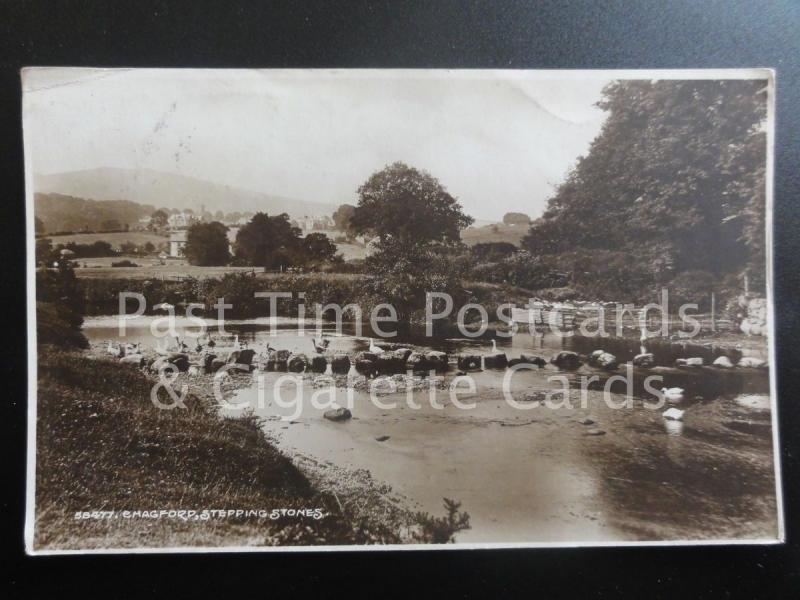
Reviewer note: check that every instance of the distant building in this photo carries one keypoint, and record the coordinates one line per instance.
(232, 231)
(180, 220)
(177, 242)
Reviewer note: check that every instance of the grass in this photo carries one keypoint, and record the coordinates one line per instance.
(498, 232)
(103, 446)
(116, 238)
(151, 268)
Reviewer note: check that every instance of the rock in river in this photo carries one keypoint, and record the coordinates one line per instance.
(469, 362)
(566, 360)
(338, 414)
(689, 362)
(752, 363)
(298, 363)
(319, 364)
(603, 360)
(495, 361)
(417, 362)
(645, 359)
(366, 367)
(437, 360)
(340, 365)
(723, 362)
(532, 359)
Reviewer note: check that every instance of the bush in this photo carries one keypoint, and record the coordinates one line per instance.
(59, 326)
(442, 530)
(124, 263)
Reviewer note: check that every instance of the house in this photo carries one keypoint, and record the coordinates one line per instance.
(179, 220)
(177, 242)
(178, 237)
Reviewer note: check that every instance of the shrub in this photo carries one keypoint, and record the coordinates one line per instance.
(442, 530)
(59, 326)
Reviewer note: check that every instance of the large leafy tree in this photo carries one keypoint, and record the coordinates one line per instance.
(159, 219)
(418, 228)
(207, 244)
(270, 242)
(317, 247)
(342, 219)
(674, 180)
(409, 207)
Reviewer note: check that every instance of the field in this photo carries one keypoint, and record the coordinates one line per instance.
(173, 270)
(116, 239)
(351, 251)
(497, 232)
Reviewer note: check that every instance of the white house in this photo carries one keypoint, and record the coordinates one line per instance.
(182, 219)
(177, 241)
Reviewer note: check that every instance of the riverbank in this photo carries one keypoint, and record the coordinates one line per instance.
(114, 471)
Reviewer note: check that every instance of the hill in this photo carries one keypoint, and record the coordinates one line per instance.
(169, 190)
(59, 212)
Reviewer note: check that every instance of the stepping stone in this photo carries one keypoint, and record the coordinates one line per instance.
(586, 421)
(595, 432)
(381, 438)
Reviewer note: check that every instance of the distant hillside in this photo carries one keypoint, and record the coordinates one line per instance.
(171, 191)
(496, 232)
(68, 213)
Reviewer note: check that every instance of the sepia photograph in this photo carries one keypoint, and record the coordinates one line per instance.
(337, 309)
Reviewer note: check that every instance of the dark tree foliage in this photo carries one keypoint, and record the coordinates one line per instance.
(159, 219)
(93, 250)
(207, 244)
(318, 248)
(674, 182)
(44, 251)
(408, 206)
(342, 218)
(270, 242)
(492, 251)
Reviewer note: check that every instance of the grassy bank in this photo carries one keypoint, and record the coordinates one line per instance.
(103, 446)
(101, 296)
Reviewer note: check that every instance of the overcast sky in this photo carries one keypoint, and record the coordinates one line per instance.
(498, 141)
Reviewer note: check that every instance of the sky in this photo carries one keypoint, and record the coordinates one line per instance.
(499, 141)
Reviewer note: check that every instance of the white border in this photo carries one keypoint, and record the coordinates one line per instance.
(704, 74)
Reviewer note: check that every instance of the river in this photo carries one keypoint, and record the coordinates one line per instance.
(538, 474)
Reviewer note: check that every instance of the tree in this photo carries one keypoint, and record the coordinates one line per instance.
(516, 218)
(38, 225)
(159, 219)
(317, 247)
(44, 251)
(269, 242)
(207, 244)
(128, 248)
(674, 181)
(110, 225)
(342, 218)
(492, 251)
(408, 206)
(402, 275)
